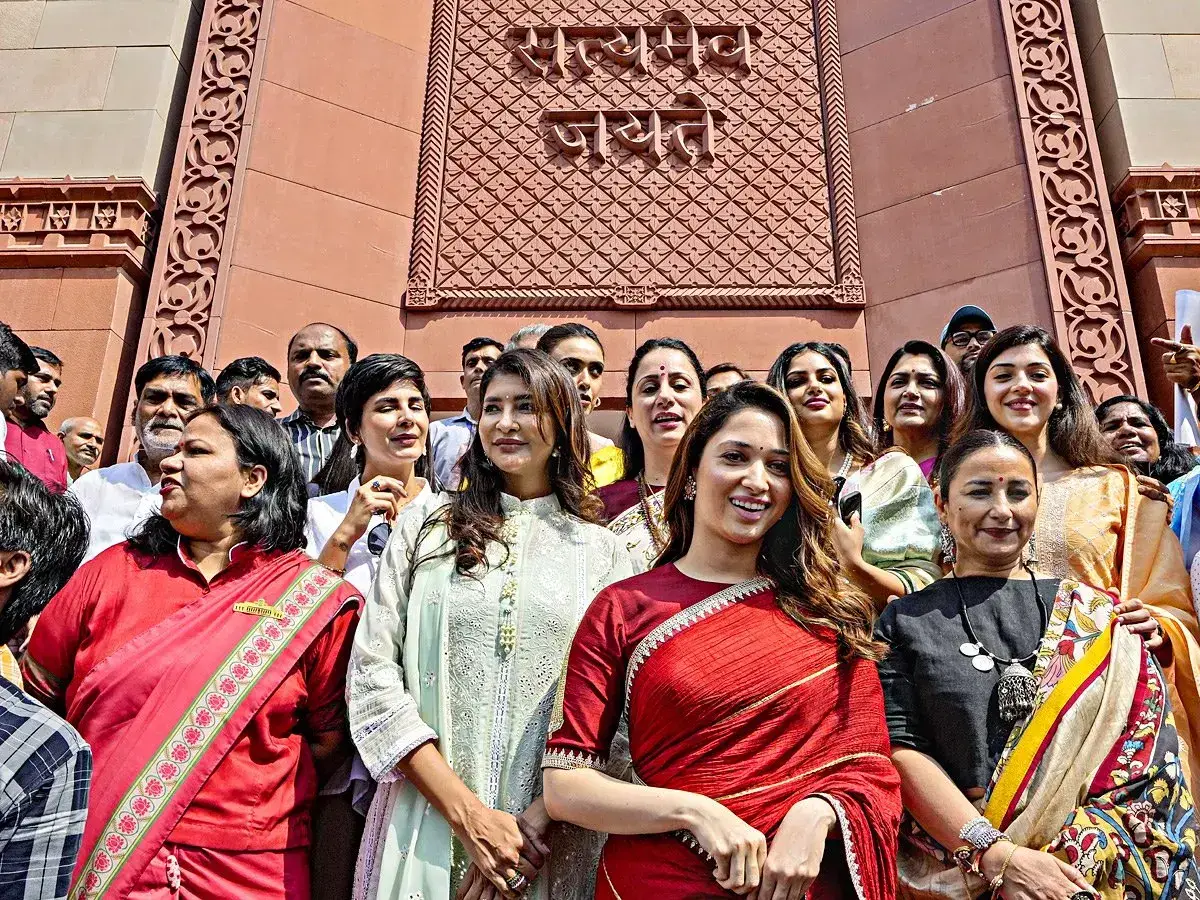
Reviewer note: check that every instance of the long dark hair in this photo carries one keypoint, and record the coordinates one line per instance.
(797, 553)
(1174, 459)
(971, 443)
(631, 441)
(954, 394)
(273, 519)
(854, 434)
(362, 381)
(1073, 432)
(474, 517)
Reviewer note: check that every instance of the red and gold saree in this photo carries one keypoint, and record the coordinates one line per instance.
(728, 697)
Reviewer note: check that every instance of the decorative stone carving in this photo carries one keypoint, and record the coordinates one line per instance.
(554, 171)
(1158, 214)
(1079, 245)
(189, 281)
(71, 222)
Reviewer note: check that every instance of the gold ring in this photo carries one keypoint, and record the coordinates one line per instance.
(517, 882)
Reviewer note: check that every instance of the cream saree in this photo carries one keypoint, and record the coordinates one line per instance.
(1092, 775)
(1094, 527)
(637, 535)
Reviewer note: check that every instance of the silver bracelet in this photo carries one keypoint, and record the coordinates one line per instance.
(980, 833)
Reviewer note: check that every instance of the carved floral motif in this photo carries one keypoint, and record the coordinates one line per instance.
(1087, 285)
(95, 222)
(505, 219)
(185, 286)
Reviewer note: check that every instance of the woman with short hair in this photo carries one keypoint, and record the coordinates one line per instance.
(664, 389)
(382, 409)
(745, 667)
(886, 528)
(460, 650)
(204, 661)
(1035, 700)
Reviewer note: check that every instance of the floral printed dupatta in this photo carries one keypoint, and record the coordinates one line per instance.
(1093, 775)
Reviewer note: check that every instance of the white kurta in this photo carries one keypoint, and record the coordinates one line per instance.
(472, 662)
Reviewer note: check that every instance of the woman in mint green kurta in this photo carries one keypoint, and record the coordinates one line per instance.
(459, 651)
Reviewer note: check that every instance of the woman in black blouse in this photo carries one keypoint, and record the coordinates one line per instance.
(1035, 701)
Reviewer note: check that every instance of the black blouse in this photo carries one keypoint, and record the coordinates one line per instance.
(936, 701)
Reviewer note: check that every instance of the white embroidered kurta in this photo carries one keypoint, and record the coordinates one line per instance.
(472, 663)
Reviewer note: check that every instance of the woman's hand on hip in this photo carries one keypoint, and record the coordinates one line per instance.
(794, 858)
(739, 850)
(380, 496)
(1033, 875)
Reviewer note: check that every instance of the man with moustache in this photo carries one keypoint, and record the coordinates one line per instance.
(449, 438)
(17, 363)
(119, 498)
(318, 357)
(965, 334)
(250, 381)
(83, 439)
(29, 441)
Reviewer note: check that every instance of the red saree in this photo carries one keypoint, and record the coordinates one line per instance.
(728, 697)
(165, 707)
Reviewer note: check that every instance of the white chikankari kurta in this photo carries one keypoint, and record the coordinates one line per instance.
(473, 663)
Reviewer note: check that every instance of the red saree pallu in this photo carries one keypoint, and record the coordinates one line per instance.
(731, 699)
(162, 711)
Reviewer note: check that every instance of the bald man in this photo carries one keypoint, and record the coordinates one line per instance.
(83, 437)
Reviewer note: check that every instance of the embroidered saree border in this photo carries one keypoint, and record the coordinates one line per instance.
(686, 618)
(168, 768)
(1032, 745)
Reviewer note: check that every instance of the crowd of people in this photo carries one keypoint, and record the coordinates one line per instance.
(769, 643)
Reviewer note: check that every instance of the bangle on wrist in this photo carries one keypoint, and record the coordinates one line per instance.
(998, 881)
(980, 833)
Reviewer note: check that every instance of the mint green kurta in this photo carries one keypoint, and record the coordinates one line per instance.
(472, 663)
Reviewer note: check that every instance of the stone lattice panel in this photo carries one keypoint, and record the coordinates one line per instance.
(505, 219)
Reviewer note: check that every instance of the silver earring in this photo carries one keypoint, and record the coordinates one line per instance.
(1031, 549)
(689, 488)
(554, 453)
(949, 547)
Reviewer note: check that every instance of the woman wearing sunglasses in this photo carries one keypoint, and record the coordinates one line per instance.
(383, 410)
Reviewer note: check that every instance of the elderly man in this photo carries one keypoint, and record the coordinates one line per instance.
(250, 381)
(29, 441)
(119, 498)
(83, 439)
(47, 767)
(449, 438)
(965, 334)
(527, 336)
(17, 363)
(318, 357)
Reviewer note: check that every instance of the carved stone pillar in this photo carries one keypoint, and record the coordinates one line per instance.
(1088, 294)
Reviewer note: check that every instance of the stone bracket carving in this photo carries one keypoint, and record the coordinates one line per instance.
(1087, 286)
(190, 276)
(1158, 214)
(77, 222)
(529, 198)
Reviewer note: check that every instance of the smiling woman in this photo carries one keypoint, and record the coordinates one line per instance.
(886, 528)
(461, 647)
(745, 667)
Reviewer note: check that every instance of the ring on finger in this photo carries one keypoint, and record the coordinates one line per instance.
(517, 882)
(375, 485)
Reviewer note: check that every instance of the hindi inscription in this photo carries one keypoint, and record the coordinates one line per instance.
(583, 154)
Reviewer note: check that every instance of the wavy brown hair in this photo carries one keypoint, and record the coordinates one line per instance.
(797, 552)
(854, 433)
(474, 519)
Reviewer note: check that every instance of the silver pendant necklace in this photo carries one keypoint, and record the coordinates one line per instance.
(1017, 688)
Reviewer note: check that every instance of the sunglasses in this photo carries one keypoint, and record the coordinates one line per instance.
(377, 538)
(963, 338)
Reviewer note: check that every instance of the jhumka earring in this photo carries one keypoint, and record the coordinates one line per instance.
(949, 548)
(689, 489)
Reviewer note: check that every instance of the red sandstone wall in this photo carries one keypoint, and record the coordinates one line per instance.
(945, 215)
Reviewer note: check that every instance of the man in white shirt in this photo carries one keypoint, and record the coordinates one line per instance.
(17, 363)
(450, 438)
(119, 498)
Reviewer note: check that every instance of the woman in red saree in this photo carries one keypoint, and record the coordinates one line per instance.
(204, 661)
(756, 723)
